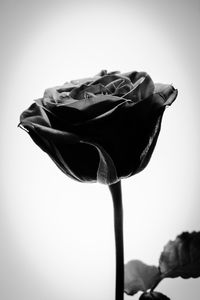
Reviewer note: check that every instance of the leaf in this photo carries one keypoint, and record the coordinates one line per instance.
(153, 296)
(139, 277)
(181, 257)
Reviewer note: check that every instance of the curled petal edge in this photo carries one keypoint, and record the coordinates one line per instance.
(50, 133)
(49, 137)
(168, 92)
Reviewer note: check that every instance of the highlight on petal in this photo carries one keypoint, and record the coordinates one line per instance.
(143, 86)
(106, 172)
(79, 112)
(148, 151)
(114, 86)
(52, 134)
(105, 80)
(51, 93)
(80, 92)
(168, 92)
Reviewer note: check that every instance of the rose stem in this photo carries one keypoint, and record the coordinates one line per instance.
(118, 224)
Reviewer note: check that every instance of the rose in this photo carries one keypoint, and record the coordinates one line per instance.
(102, 128)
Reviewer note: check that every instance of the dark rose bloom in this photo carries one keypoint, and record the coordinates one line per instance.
(102, 128)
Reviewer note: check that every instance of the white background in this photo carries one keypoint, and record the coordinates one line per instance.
(57, 239)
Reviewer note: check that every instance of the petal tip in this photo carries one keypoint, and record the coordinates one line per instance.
(172, 96)
(25, 126)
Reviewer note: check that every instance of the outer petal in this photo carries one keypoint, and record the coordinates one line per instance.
(167, 92)
(35, 114)
(129, 132)
(76, 160)
(68, 113)
(50, 147)
(106, 173)
(51, 134)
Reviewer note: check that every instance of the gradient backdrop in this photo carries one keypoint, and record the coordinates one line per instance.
(56, 235)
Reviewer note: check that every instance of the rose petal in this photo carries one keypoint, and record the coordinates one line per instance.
(168, 92)
(104, 80)
(81, 111)
(79, 93)
(74, 159)
(52, 134)
(143, 86)
(130, 146)
(106, 172)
